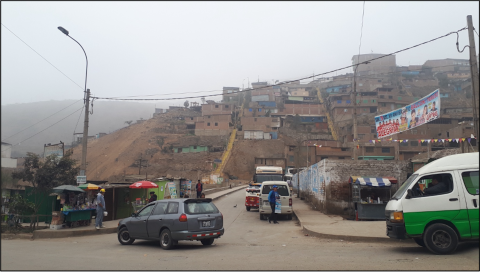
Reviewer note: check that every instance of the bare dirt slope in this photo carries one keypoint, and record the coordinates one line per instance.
(115, 155)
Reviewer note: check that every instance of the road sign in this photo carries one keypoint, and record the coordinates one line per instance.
(81, 179)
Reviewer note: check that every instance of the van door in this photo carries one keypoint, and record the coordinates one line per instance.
(423, 208)
(470, 190)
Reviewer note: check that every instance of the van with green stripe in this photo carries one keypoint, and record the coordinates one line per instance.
(438, 205)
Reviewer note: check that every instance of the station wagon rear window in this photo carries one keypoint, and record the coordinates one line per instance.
(282, 190)
(200, 208)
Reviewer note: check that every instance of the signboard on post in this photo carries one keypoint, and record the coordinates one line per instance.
(81, 179)
(416, 114)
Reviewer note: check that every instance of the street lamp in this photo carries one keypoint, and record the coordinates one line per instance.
(86, 100)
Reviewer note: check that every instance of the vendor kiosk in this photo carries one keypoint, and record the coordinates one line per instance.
(370, 196)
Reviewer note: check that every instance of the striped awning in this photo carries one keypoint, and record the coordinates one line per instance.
(370, 181)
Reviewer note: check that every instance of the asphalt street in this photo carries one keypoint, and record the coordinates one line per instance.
(248, 244)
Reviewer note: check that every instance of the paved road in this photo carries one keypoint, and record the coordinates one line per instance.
(248, 244)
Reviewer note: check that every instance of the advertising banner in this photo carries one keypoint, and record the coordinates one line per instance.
(56, 149)
(416, 114)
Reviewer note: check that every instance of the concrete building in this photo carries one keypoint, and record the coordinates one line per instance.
(7, 161)
(383, 65)
(446, 65)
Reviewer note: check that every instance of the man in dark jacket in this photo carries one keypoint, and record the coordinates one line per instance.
(153, 197)
(272, 197)
(436, 188)
(199, 188)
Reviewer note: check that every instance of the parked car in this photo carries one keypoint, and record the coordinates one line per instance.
(171, 220)
(285, 199)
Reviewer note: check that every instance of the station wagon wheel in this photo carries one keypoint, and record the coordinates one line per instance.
(207, 242)
(124, 237)
(166, 241)
(440, 239)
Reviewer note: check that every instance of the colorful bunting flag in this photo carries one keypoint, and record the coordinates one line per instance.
(469, 139)
(436, 140)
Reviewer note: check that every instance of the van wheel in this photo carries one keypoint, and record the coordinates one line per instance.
(124, 237)
(248, 209)
(419, 241)
(207, 242)
(166, 241)
(440, 239)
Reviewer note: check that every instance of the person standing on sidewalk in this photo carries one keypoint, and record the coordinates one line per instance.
(199, 188)
(100, 209)
(272, 197)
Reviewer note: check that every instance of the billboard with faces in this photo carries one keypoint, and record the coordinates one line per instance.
(416, 114)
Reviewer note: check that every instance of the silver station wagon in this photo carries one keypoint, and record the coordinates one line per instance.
(171, 220)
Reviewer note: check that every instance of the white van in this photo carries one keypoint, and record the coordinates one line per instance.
(437, 216)
(285, 197)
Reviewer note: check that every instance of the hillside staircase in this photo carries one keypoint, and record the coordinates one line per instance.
(329, 118)
(226, 154)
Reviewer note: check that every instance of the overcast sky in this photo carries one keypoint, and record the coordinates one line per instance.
(144, 48)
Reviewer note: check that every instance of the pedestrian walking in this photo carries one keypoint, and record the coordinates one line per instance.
(199, 187)
(100, 209)
(272, 198)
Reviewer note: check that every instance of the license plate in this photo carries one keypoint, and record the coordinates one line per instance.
(205, 223)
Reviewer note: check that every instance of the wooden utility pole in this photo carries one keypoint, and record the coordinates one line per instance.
(474, 75)
(355, 132)
(85, 136)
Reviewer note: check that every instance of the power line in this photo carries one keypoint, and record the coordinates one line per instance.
(287, 82)
(42, 57)
(78, 120)
(45, 128)
(41, 120)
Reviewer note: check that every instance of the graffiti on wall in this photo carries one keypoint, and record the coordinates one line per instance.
(313, 180)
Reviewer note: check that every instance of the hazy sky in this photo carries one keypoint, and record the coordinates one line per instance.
(143, 48)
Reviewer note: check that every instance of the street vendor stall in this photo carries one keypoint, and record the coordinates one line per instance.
(370, 196)
(76, 209)
(139, 203)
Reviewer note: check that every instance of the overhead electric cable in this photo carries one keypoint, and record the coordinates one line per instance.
(286, 82)
(41, 120)
(45, 128)
(43, 57)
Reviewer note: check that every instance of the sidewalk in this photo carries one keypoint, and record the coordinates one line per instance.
(318, 224)
(110, 226)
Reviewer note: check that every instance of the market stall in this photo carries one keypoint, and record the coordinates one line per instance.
(370, 196)
(76, 210)
(139, 203)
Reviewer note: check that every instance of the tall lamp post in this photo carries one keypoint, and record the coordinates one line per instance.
(86, 98)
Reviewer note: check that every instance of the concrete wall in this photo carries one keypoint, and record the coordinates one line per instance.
(211, 132)
(6, 150)
(214, 109)
(9, 163)
(303, 109)
(326, 186)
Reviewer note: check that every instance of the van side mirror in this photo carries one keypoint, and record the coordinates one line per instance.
(409, 194)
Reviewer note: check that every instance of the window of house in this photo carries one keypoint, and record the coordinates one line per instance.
(259, 110)
(341, 158)
(323, 157)
(414, 131)
(375, 136)
(344, 149)
(216, 124)
(414, 143)
(383, 104)
(379, 80)
(194, 147)
(291, 158)
(339, 101)
(349, 102)
(373, 100)
(191, 118)
(373, 130)
(365, 101)
(404, 143)
(179, 150)
(361, 136)
(360, 84)
(369, 149)
(226, 106)
(399, 98)
(216, 106)
(208, 116)
(385, 149)
(448, 134)
(364, 109)
(390, 97)
(425, 143)
(358, 101)
(291, 148)
(208, 124)
(255, 119)
(382, 96)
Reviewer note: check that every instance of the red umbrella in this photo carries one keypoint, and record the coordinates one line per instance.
(143, 184)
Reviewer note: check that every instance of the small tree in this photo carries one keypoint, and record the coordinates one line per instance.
(45, 174)
(128, 122)
(186, 103)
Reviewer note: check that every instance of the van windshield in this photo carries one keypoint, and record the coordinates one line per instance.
(282, 190)
(404, 187)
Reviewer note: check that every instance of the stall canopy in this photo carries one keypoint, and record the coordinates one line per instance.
(370, 181)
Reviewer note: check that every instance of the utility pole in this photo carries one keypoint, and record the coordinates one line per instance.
(355, 133)
(474, 75)
(85, 135)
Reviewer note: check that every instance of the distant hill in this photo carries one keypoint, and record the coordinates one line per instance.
(107, 117)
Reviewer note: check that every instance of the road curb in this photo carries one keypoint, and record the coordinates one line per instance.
(72, 233)
(349, 238)
(8, 236)
(236, 189)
